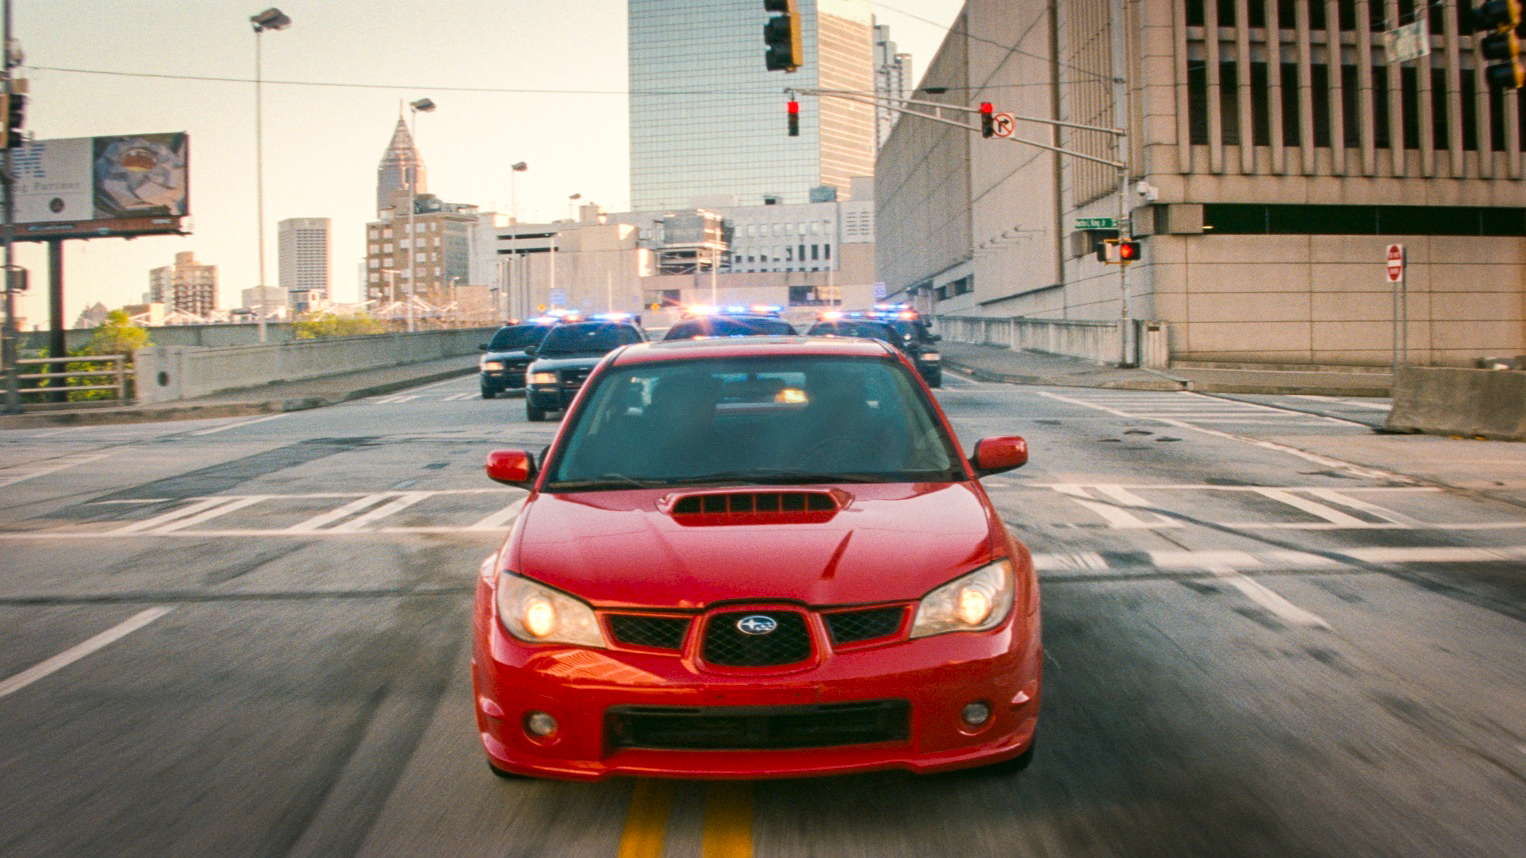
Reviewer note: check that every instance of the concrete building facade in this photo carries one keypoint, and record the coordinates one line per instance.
(187, 286)
(707, 117)
(303, 250)
(1273, 156)
(427, 255)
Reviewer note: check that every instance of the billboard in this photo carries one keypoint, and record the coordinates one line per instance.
(90, 187)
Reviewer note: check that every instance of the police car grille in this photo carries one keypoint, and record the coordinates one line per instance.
(728, 646)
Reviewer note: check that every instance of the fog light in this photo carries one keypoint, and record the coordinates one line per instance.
(975, 714)
(540, 724)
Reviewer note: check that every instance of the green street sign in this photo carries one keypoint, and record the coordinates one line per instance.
(1096, 223)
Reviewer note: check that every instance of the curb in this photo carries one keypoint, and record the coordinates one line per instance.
(1167, 383)
(153, 414)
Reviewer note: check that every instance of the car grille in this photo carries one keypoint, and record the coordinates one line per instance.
(728, 646)
(848, 627)
(642, 630)
(738, 728)
(574, 378)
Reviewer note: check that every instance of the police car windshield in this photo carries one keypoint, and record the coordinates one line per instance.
(517, 337)
(585, 338)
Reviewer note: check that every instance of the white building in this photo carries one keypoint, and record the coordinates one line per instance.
(303, 246)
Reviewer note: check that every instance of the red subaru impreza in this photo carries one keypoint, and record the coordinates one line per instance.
(760, 557)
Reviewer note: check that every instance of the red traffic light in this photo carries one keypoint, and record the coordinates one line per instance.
(987, 119)
(794, 118)
(1128, 251)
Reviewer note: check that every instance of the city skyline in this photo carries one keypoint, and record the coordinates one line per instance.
(335, 83)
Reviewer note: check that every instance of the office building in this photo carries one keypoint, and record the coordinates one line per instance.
(707, 117)
(187, 286)
(1267, 176)
(892, 78)
(400, 161)
(303, 260)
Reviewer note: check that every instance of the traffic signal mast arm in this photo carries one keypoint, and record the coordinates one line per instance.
(899, 106)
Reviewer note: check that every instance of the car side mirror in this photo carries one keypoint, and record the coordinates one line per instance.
(530, 351)
(482, 348)
(997, 455)
(511, 467)
(937, 338)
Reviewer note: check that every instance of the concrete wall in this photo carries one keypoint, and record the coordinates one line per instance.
(1092, 340)
(178, 335)
(169, 373)
(1469, 402)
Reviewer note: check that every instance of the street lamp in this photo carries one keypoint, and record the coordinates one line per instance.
(522, 292)
(270, 19)
(423, 105)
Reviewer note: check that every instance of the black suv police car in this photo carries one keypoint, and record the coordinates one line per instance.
(503, 367)
(754, 321)
(568, 354)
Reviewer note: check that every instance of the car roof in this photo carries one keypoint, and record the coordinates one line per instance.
(731, 347)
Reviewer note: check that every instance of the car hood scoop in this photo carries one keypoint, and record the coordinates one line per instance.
(730, 508)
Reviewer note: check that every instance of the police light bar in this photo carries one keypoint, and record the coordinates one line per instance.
(767, 309)
(613, 317)
(832, 314)
(700, 310)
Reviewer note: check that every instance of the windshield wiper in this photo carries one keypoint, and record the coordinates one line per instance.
(608, 481)
(778, 476)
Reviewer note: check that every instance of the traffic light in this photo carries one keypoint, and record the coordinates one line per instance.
(794, 118)
(782, 36)
(15, 115)
(1118, 251)
(1502, 20)
(987, 119)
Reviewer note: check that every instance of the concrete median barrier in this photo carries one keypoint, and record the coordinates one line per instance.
(172, 373)
(1472, 402)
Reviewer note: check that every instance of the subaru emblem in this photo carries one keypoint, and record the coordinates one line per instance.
(757, 624)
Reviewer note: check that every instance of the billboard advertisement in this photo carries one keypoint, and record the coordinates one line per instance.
(87, 187)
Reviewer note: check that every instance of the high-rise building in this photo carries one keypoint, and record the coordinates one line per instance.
(708, 118)
(892, 77)
(303, 258)
(400, 158)
(186, 286)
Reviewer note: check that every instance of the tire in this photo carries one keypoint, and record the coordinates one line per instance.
(533, 414)
(935, 381)
(488, 392)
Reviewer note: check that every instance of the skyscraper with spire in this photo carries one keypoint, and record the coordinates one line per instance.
(393, 172)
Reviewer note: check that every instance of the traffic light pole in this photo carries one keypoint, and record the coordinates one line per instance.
(1120, 136)
(9, 343)
(1121, 140)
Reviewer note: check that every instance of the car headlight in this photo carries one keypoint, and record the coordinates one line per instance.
(975, 602)
(543, 378)
(538, 614)
(492, 364)
(931, 356)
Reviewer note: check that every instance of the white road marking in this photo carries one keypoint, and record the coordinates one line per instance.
(12, 476)
(162, 519)
(458, 397)
(1115, 517)
(391, 508)
(500, 519)
(1266, 598)
(1375, 406)
(212, 513)
(237, 425)
(1282, 559)
(79, 651)
(1330, 514)
(334, 515)
(1333, 496)
(1324, 461)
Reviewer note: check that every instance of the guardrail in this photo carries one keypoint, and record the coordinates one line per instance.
(115, 373)
(1092, 340)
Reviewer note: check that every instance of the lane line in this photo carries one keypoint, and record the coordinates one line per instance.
(334, 515)
(728, 820)
(79, 651)
(58, 465)
(1319, 510)
(500, 519)
(1372, 509)
(1116, 518)
(646, 821)
(1266, 598)
(395, 506)
(212, 513)
(237, 425)
(166, 517)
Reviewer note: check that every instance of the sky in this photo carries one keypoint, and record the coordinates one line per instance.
(539, 81)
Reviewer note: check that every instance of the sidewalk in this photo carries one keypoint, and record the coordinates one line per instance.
(993, 363)
(271, 398)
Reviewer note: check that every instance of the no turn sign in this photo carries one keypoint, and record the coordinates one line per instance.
(1004, 124)
(1395, 263)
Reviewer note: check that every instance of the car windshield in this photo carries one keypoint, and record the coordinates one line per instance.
(858, 328)
(770, 420)
(587, 338)
(912, 331)
(729, 326)
(517, 337)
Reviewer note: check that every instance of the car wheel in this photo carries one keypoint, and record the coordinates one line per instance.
(935, 381)
(508, 776)
(488, 392)
(533, 414)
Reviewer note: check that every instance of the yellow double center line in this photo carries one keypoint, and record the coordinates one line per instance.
(728, 820)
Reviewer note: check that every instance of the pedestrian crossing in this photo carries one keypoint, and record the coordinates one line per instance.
(1185, 408)
(400, 398)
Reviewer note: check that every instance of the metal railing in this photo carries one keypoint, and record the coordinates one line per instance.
(115, 372)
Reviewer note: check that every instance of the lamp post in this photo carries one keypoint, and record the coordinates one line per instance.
(423, 105)
(522, 291)
(270, 19)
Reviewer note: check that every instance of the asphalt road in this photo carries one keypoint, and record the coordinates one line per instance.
(249, 637)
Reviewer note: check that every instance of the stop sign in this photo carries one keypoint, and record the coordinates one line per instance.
(1395, 263)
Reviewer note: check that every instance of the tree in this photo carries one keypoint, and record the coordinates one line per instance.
(116, 336)
(322, 326)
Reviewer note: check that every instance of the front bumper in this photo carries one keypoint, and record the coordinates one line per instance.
(592, 694)
(510, 378)
(553, 397)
